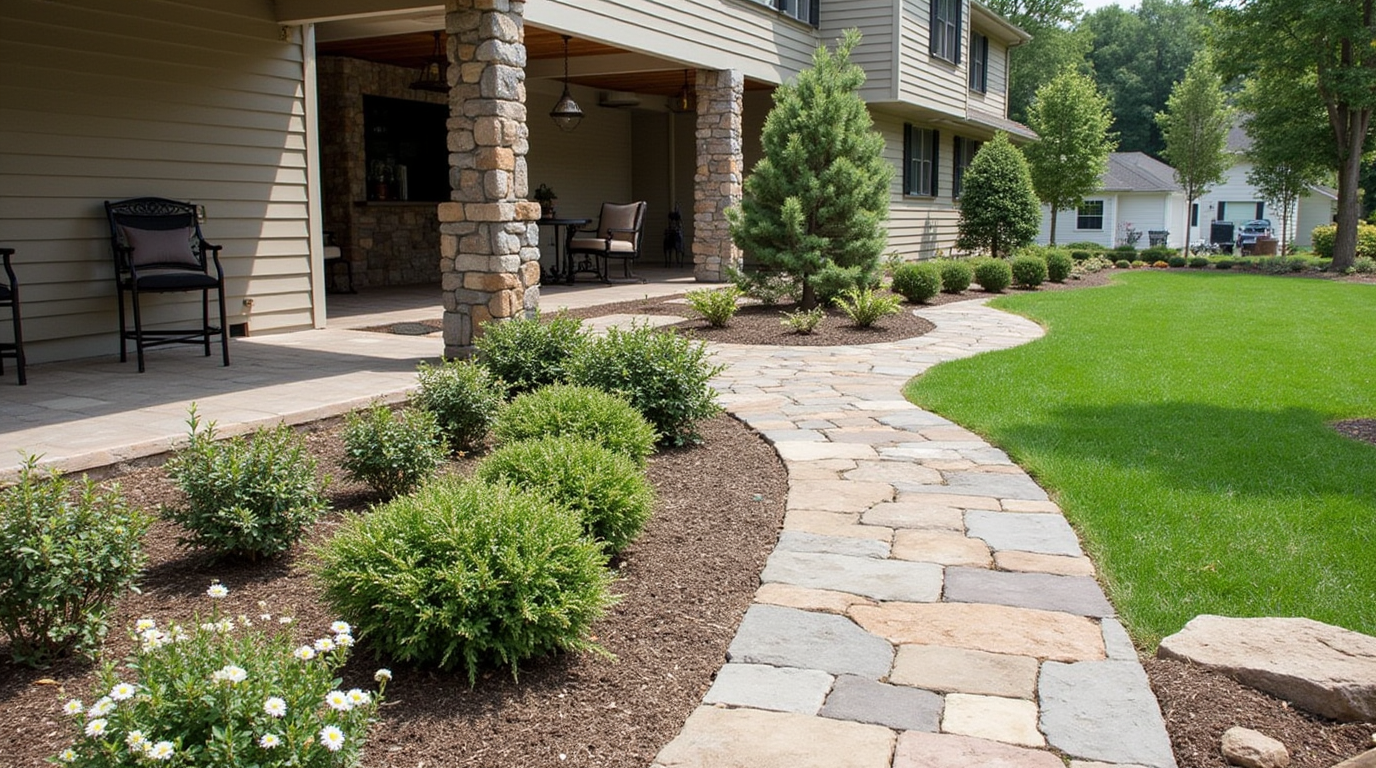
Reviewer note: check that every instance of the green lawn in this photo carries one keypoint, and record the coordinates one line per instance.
(1181, 422)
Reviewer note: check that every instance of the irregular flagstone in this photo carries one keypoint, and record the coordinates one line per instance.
(892, 472)
(1105, 711)
(941, 547)
(913, 417)
(1117, 644)
(748, 738)
(939, 498)
(834, 524)
(799, 541)
(1017, 486)
(903, 514)
(944, 750)
(960, 670)
(837, 495)
(1013, 560)
(1324, 669)
(786, 435)
(1022, 505)
(868, 701)
(992, 628)
(803, 451)
(781, 689)
(1071, 594)
(825, 469)
(879, 579)
(1046, 534)
(1013, 721)
(807, 599)
(876, 436)
(787, 637)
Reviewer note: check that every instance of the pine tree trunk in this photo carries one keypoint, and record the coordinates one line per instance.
(809, 297)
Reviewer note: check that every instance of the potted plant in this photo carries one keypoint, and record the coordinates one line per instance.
(546, 198)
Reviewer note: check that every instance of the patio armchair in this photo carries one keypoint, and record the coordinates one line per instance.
(9, 297)
(158, 248)
(617, 236)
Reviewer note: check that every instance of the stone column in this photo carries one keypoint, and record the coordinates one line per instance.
(720, 169)
(489, 242)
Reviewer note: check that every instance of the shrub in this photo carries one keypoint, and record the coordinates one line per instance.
(1325, 234)
(464, 574)
(1177, 261)
(1079, 255)
(1223, 263)
(803, 321)
(993, 275)
(1138, 264)
(1122, 264)
(1160, 265)
(1199, 262)
(64, 558)
(956, 276)
(716, 306)
(246, 498)
(565, 410)
(222, 694)
(768, 288)
(662, 374)
(917, 282)
(833, 282)
(867, 307)
(1028, 271)
(1125, 248)
(1091, 265)
(464, 398)
(607, 489)
(1158, 253)
(392, 451)
(526, 353)
(1058, 265)
(1364, 265)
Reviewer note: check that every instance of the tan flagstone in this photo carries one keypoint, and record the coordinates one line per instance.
(961, 670)
(834, 524)
(948, 750)
(1014, 560)
(902, 514)
(959, 501)
(941, 547)
(980, 627)
(1012, 721)
(837, 495)
(1027, 505)
(807, 599)
(750, 738)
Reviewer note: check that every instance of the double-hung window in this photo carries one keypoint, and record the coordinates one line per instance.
(806, 11)
(1090, 215)
(919, 161)
(946, 30)
(963, 153)
(979, 62)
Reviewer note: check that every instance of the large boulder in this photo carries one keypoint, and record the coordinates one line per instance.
(1324, 669)
(1252, 749)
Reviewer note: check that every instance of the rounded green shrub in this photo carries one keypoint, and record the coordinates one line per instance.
(392, 451)
(917, 281)
(1223, 263)
(245, 498)
(64, 559)
(717, 306)
(1138, 264)
(464, 397)
(1028, 271)
(1177, 261)
(1158, 253)
(566, 410)
(526, 353)
(607, 489)
(467, 574)
(664, 375)
(1199, 262)
(1080, 255)
(1059, 265)
(1123, 264)
(956, 275)
(993, 275)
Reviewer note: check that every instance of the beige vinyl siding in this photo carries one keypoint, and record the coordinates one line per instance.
(995, 99)
(924, 79)
(918, 226)
(198, 100)
(877, 21)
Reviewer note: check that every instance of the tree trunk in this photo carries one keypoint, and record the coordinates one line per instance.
(1052, 242)
(809, 298)
(1349, 201)
(1189, 205)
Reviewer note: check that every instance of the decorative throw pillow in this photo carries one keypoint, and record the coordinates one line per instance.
(162, 246)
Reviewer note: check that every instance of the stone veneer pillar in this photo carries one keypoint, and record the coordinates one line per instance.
(720, 168)
(489, 241)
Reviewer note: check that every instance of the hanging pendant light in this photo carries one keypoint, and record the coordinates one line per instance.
(566, 113)
(432, 73)
(686, 100)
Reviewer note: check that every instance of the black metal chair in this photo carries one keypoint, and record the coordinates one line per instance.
(617, 236)
(9, 296)
(158, 248)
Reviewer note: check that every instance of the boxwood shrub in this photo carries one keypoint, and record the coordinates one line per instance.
(917, 281)
(573, 411)
(525, 353)
(956, 275)
(993, 275)
(464, 396)
(1028, 271)
(1059, 265)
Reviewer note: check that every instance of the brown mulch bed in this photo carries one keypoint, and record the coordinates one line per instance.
(1358, 429)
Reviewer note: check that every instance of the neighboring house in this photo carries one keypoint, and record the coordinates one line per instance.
(1237, 200)
(287, 119)
(1137, 193)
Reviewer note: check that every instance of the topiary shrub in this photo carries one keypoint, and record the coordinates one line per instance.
(663, 375)
(1028, 271)
(956, 275)
(392, 451)
(1199, 262)
(466, 574)
(717, 306)
(245, 498)
(993, 275)
(607, 489)
(464, 397)
(565, 410)
(1177, 261)
(526, 353)
(1059, 263)
(1122, 264)
(64, 559)
(917, 282)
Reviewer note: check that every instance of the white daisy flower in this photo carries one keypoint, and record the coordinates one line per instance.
(275, 706)
(136, 740)
(73, 707)
(101, 708)
(304, 653)
(217, 591)
(163, 750)
(285, 619)
(153, 639)
(344, 641)
(224, 625)
(97, 727)
(269, 740)
(67, 755)
(341, 628)
(143, 625)
(123, 692)
(382, 674)
(332, 738)
(358, 697)
(230, 673)
(338, 700)
(324, 645)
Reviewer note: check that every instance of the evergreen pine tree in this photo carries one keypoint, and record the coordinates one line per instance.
(812, 207)
(998, 207)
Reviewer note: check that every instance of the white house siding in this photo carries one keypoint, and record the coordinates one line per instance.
(1066, 220)
(1147, 211)
(1315, 210)
(199, 101)
(924, 79)
(877, 21)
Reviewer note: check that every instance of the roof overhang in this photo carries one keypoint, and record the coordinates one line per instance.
(988, 21)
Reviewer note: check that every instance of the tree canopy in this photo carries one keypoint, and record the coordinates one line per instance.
(1195, 126)
(1055, 45)
(998, 207)
(1072, 118)
(1290, 150)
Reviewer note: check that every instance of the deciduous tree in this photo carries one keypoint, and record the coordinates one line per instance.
(1195, 126)
(998, 207)
(1286, 123)
(1067, 163)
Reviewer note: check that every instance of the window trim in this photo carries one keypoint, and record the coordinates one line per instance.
(946, 44)
(979, 62)
(805, 11)
(963, 152)
(923, 181)
(1081, 216)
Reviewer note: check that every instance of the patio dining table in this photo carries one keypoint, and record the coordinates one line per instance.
(564, 269)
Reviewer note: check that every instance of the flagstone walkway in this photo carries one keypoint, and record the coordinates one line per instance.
(927, 605)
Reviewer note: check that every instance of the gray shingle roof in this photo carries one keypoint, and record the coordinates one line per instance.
(1137, 172)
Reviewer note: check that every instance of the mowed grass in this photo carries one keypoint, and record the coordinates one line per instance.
(1181, 421)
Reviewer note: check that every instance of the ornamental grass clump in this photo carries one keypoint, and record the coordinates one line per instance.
(392, 451)
(607, 489)
(717, 306)
(526, 353)
(246, 498)
(222, 692)
(664, 375)
(465, 574)
(867, 307)
(565, 410)
(64, 559)
(464, 396)
(993, 275)
(956, 275)
(1028, 271)
(917, 282)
